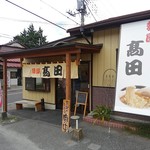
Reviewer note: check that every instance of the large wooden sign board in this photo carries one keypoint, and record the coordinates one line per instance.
(66, 115)
(81, 99)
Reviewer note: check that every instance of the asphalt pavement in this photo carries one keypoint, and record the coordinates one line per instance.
(30, 130)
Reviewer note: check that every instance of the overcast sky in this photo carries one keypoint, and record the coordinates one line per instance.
(14, 20)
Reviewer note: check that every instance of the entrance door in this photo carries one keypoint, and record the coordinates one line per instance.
(80, 84)
(60, 92)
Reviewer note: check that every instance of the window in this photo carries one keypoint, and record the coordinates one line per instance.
(42, 84)
(1, 74)
(30, 84)
(13, 74)
(37, 84)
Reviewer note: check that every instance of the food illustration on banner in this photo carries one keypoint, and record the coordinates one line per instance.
(136, 96)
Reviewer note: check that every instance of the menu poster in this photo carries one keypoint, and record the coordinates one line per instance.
(133, 75)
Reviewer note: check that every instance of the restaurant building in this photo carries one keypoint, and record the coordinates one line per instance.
(14, 68)
(104, 59)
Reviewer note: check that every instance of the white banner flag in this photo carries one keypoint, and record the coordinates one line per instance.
(133, 79)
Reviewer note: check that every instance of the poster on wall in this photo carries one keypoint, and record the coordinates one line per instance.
(133, 78)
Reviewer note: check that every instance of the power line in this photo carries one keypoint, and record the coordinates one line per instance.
(6, 36)
(20, 20)
(81, 8)
(36, 15)
(105, 12)
(59, 12)
(90, 10)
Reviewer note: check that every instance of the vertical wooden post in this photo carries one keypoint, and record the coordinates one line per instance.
(78, 59)
(68, 76)
(5, 88)
(67, 101)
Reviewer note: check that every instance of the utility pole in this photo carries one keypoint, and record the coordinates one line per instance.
(81, 8)
(84, 10)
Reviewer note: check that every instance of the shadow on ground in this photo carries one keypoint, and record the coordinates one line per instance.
(50, 116)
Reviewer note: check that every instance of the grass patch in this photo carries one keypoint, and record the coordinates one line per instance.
(9, 119)
(141, 129)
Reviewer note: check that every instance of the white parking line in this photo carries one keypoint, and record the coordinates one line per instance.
(14, 93)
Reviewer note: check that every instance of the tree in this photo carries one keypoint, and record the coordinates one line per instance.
(31, 38)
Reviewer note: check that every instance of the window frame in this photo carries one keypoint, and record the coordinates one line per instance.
(32, 84)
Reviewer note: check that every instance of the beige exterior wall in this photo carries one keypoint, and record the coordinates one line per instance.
(49, 97)
(102, 61)
(106, 59)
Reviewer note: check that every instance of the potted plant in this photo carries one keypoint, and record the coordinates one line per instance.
(102, 113)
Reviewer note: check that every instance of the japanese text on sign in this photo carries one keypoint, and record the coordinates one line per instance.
(66, 115)
(135, 66)
(57, 70)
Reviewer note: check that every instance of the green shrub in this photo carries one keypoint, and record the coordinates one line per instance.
(102, 112)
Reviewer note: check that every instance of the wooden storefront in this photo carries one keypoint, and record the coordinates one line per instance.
(68, 53)
(99, 56)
